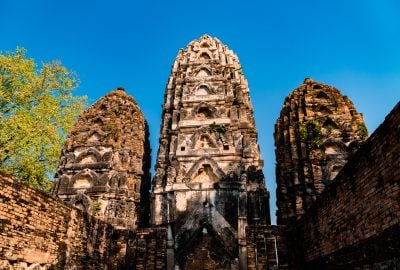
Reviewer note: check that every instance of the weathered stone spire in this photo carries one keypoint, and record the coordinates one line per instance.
(209, 183)
(104, 168)
(316, 132)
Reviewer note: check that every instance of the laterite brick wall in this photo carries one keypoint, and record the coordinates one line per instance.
(39, 230)
(356, 223)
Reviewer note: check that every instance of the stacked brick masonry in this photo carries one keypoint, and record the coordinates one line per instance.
(39, 230)
(356, 222)
(266, 247)
(147, 249)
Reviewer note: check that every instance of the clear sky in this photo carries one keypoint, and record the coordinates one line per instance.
(353, 45)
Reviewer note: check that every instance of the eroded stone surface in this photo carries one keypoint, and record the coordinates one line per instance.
(209, 183)
(104, 168)
(316, 132)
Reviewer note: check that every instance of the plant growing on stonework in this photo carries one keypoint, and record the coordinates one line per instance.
(179, 91)
(37, 110)
(329, 128)
(96, 208)
(362, 131)
(113, 130)
(310, 131)
(220, 129)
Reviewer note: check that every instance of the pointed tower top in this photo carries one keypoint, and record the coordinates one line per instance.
(320, 125)
(106, 154)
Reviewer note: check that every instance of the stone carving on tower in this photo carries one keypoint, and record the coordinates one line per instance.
(104, 167)
(318, 129)
(209, 183)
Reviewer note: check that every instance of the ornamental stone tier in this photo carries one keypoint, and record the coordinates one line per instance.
(104, 167)
(317, 131)
(209, 183)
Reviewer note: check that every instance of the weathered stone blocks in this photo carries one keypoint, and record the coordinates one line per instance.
(209, 183)
(104, 167)
(316, 132)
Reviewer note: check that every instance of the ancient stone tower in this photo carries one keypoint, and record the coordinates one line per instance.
(104, 168)
(316, 132)
(209, 182)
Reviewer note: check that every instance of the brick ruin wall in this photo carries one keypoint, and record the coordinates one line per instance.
(38, 231)
(266, 247)
(147, 249)
(356, 222)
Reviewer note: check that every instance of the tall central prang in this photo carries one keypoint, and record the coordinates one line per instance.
(209, 183)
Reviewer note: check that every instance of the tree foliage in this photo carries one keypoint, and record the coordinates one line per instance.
(220, 129)
(310, 131)
(37, 110)
(362, 131)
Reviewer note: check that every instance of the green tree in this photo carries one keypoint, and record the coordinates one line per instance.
(37, 110)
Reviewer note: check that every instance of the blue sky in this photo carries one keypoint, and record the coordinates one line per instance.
(353, 45)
